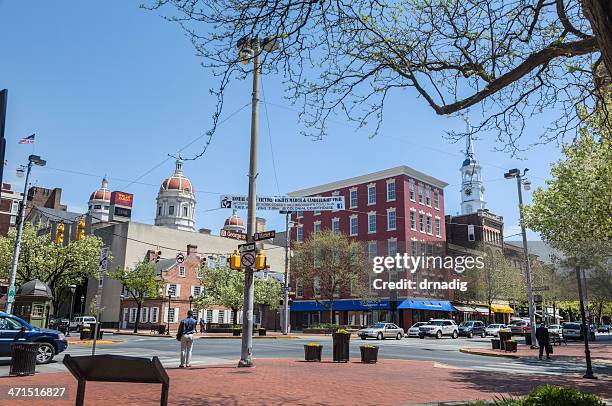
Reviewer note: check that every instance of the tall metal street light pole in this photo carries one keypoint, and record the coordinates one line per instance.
(72, 290)
(515, 173)
(250, 49)
(3, 103)
(585, 327)
(32, 160)
(285, 315)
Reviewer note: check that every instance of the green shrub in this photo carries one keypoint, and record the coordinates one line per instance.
(550, 395)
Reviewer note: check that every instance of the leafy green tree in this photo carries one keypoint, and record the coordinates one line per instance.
(510, 59)
(268, 292)
(140, 283)
(59, 266)
(329, 264)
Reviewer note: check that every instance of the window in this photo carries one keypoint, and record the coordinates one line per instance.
(336, 226)
(210, 262)
(38, 310)
(391, 190)
(438, 227)
(371, 194)
(15, 207)
(97, 206)
(429, 225)
(436, 199)
(185, 211)
(133, 315)
(317, 227)
(9, 324)
(421, 193)
(197, 291)
(354, 225)
(335, 193)
(154, 315)
(411, 189)
(144, 314)
(209, 316)
(13, 220)
(372, 250)
(172, 290)
(372, 222)
(299, 288)
(221, 316)
(182, 271)
(316, 286)
(391, 220)
(299, 233)
(421, 222)
(171, 210)
(317, 213)
(299, 214)
(415, 249)
(391, 247)
(353, 198)
(428, 195)
(471, 233)
(159, 211)
(413, 220)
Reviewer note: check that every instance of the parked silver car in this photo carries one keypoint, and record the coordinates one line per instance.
(414, 330)
(381, 331)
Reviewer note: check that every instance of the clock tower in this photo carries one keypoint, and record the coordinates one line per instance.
(472, 190)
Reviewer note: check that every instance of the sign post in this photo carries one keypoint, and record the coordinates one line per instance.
(102, 267)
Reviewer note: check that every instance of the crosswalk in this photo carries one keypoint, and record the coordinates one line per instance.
(536, 367)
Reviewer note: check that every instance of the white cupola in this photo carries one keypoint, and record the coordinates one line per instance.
(176, 202)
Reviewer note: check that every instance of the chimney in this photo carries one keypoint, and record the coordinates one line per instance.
(192, 249)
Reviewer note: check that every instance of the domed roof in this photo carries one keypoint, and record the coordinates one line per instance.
(35, 288)
(103, 193)
(234, 220)
(177, 181)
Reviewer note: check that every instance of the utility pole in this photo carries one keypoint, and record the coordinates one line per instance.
(246, 351)
(32, 160)
(515, 173)
(286, 318)
(3, 103)
(585, 328)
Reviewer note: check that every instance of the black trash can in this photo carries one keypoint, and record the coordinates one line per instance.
(495, 344)
(503, 337)
(23, 359)
(369, 354)
(528, 339)
(161, 329)
(341, 346)
(85, 333)
(262, 331)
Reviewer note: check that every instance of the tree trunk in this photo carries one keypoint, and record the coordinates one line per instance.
(261, 315)
(235, 315)
(138, 306)
(599, 14)
(489, 318)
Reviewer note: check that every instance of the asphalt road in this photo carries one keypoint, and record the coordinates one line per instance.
(445, 353)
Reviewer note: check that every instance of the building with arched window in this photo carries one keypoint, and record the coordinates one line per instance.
(176, 202)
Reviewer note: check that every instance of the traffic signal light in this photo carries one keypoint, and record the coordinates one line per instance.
(260, 260)
(157, 255)
(81, 229)
(234, 260)
(59, 237)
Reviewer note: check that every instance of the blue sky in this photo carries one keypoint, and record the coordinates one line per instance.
(112, 89)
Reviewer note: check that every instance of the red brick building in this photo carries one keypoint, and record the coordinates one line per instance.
(397, 210)
(9, 208)
(181, 280)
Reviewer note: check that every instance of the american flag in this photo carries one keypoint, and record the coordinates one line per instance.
(28, 140)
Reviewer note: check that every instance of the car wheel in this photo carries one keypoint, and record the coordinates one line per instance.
(483, 335)
(46, 352)
(363, 337)
(399, 336)
(439, 334)
(470, 334)
(455, 335)
(379, 336)
(421, 337)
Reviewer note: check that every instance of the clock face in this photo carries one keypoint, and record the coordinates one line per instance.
(468, 192)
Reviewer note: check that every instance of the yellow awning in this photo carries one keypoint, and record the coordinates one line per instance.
(497, 308)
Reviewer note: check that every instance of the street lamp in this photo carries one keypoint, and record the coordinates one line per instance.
(32, 160)
(249, 49)
(121, 297)
(82, 305)
(190, 301)
(72, 290)
(516, 173)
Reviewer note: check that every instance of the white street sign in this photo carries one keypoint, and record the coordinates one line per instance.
(285, 203)
(103, 265)
(247, 259)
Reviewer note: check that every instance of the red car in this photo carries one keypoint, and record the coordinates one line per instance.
(520, 328)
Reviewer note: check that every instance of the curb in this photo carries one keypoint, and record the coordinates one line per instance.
(206, 337)
(90, 342)
(488, 354)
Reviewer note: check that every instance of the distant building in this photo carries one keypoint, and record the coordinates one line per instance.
(98, 205)
(472, 189)
(43, 197)
(234, 223)
(9, 208)
(176, 202)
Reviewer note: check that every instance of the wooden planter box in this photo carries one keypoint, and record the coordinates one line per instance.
(369, 354)
(313, 352)
(341, 346)
(511, 346)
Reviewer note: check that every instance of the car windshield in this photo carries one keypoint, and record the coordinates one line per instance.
(419, 324)
(571, 326)
(89, 319)
(494, 325)
(465, 323)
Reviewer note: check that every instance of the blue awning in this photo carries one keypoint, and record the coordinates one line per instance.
(439, 305)
(352, 304)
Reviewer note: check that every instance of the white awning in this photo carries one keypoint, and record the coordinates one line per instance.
(467, 309)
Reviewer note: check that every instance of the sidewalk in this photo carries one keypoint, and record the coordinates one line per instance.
(145, 333)
(282, 382)
(571, 350)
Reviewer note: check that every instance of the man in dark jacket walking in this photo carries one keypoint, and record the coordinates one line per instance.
(543, 338)
(186, 331)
